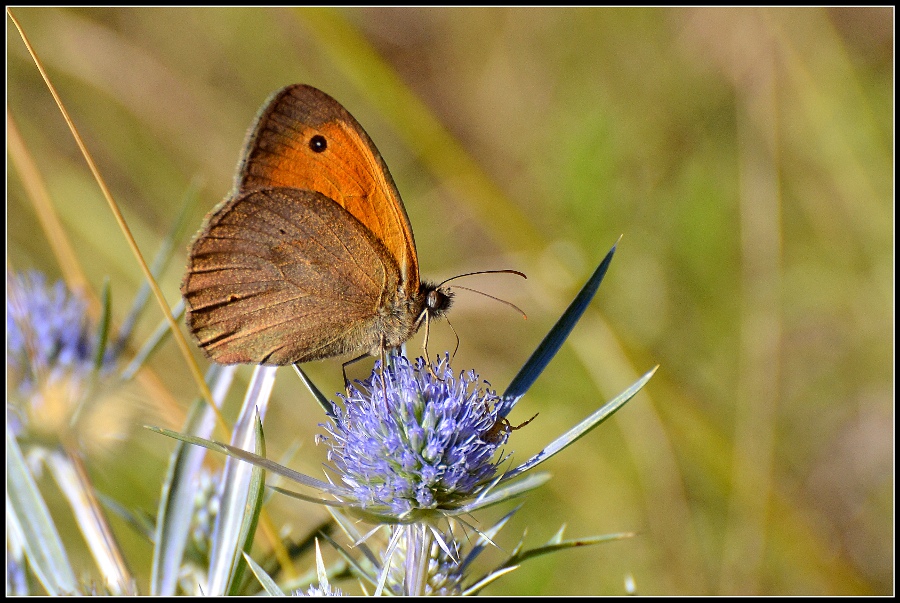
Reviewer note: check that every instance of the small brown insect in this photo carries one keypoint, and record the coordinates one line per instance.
(503, 427)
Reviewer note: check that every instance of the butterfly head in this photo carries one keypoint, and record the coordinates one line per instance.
(438, 300)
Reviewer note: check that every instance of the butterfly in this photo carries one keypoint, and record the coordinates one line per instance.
(312, 256)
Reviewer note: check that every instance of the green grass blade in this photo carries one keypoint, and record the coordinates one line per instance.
(103, 325)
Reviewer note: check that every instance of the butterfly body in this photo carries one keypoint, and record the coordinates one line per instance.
(312, 256)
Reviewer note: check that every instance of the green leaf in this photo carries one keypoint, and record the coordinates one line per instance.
(485, 538)
(488, 579)
(103, 326)
(361, 571)
(159, 335)
(582, 429)
(349, 528)
(268, 584)
(176, 504)
(503, 493)
(560, 545)
(237, 511)
(163, 255)
(30, 519)
(243, 455)
(252, 511)
(320, 398)
(551, 343)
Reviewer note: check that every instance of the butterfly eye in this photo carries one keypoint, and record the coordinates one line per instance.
(318, 143)
(438, 301)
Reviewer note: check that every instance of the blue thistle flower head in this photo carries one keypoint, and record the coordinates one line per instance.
(415, 439)
(51, 345)
(48, 330)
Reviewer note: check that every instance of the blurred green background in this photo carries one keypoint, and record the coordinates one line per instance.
(746, 155)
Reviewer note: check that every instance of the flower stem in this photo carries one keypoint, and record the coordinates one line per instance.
(418, 550)
(71, 476)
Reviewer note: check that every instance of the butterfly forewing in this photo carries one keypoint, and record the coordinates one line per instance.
(305, 139)
(267, 271)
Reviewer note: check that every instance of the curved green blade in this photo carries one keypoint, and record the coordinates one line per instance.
(548, 348)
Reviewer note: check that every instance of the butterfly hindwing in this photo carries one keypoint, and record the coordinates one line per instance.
(267, 271)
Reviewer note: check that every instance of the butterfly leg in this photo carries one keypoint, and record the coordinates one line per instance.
(455, 334)
(383, 365)
(344, 369)
(425, 347)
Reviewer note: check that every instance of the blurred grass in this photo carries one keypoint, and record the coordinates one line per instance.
(746, 155)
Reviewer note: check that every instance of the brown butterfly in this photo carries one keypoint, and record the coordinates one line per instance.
(313, 255)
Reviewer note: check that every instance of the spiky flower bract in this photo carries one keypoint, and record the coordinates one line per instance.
(415, 439)
(324, 587)
(443, 571)
(316, 590)
(206, 507)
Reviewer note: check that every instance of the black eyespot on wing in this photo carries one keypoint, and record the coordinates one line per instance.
(318, 143)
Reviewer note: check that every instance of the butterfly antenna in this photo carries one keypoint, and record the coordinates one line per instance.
(452, 278)
(456, 349)
(502, 301)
